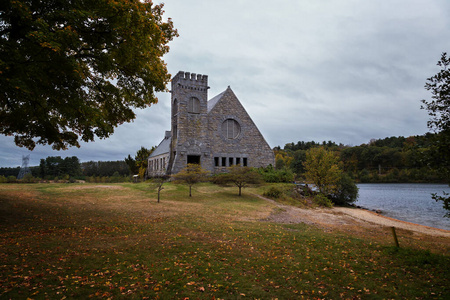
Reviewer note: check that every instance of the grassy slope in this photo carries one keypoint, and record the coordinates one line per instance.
(82, 240)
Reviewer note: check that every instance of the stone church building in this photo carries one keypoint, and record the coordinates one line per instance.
(216, 134)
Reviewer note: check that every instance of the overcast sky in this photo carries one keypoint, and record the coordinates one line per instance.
(346, 71)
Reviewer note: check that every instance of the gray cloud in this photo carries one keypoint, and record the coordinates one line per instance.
(346, 71)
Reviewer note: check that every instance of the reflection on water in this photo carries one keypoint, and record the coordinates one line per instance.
(406, 202)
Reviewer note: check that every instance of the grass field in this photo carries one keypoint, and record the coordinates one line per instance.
(62, 241)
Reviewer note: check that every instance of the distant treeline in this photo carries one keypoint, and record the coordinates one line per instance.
(392, 159)
(105, 168)
(70, 167)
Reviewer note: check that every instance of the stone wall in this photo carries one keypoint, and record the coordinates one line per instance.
(190, 129)
(248, 148)
(200, 136)
(157, 165)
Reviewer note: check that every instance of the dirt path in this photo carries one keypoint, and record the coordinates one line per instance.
(344, 217)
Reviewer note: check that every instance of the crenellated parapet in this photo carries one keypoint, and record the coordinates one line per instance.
(190, 81)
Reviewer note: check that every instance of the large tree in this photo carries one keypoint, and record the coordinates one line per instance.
(439, 110)
(139, 163)
(77, 68)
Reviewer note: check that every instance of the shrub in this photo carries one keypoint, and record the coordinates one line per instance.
(322, 200)
(273, 192)
(347, 191)
(269, 174)
(28, 178)
(11, 179)
(3, 179)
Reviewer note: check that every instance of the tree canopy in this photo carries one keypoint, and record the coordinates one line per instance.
(439, 110)
(77, 68)
(439, 86)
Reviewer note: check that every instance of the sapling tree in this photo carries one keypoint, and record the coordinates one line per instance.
(242, 176)
(158, 183)
(190, 175)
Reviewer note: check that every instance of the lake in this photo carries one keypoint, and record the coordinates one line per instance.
(406, 202)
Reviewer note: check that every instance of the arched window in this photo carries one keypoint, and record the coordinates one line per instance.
(231, 129)
(175, 107)
(194, 105)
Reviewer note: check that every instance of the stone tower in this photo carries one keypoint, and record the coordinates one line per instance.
(189, 121)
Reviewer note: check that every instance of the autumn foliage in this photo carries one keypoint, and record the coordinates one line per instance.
(77, 69)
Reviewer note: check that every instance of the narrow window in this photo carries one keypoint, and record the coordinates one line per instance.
(175, 107)
(216, 161)
(244, 161)
(230, 160)
(224, 161)
(194, 106)
(238, 160)
(175, 131)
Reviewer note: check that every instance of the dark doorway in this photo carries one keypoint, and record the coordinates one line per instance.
(193, 159)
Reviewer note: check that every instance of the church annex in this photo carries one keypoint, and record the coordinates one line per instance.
(216, 134)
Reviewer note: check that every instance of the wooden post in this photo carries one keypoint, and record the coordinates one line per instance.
(395, 237)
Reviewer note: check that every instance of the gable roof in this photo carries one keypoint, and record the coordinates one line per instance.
(212, 102)
(164, 146)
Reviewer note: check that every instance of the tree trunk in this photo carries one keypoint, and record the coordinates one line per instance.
(190, 188)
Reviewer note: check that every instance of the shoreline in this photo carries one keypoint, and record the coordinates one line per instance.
(344, 216)
(376, 218)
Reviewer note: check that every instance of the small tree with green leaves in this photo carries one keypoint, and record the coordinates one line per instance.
(242, 176)
(190, 175)
(322, 168)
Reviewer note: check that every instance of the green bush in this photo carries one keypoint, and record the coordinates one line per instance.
(3, 179)
(28, 178)
(273, 192)
(322, 200)
(11, 179)
(347, 191)
(269, 174)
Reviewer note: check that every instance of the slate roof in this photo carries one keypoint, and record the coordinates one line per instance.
(212, 102)
(163, 147)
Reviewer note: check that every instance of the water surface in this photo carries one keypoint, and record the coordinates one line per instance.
(406, 202)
